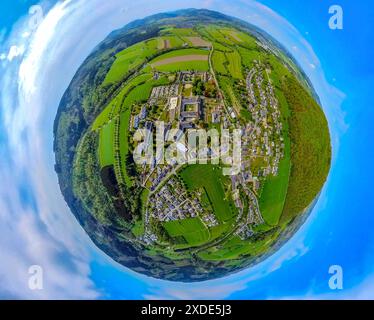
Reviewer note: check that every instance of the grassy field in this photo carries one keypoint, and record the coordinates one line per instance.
(180, 32)
(217, 36)
(227, 88)
(219, 62)
(172, 41)
(247, 56)
(106, 152)
(184, 66)
(131, 58)
(218, 230)
(228, 63)
(211, 179)
(240, 38)
(274, 192)
(234, 248)
(234, 64)
(192, 230)
(179, 53)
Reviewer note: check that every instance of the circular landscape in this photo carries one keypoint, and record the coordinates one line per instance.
(158, 205)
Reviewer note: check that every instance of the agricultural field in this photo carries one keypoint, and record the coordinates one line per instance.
(234, 64)
(106, 150)
(192, 230)
(274, 192)
(130, 59)
(169, 42)
(235, 248)
(228, 63)
(183, 59)
(189, 65)
(220, 62)
(198, 42)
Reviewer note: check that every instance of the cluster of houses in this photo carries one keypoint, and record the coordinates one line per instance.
(139, 117)
(148, 237)
(263, 138)
(184, 112)
(163, 92)
(242, 182)
(171, 202)
(185, 77)
(158, 175)
(244, 232)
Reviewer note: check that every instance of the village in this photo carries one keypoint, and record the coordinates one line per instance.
(185, 107)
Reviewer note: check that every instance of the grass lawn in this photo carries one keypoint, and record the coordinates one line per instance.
(216, 34)
(138, 228)
(172, 41)
(217, 231)
(180, 32)
(247, 56)
(106, 152)
(235, 65)
(274, 192)
(211, 179)
(131, 58)
(181, 52)
(234, 248)
(184, 66)
(192, 229)
(219, 62)
(239, 37)
(228, 63)
(227, 87)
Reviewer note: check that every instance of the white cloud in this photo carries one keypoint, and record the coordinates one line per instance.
(15, 51)
(26, 34)
(49, 236)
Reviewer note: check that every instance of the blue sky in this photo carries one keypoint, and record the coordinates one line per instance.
(37, 228)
